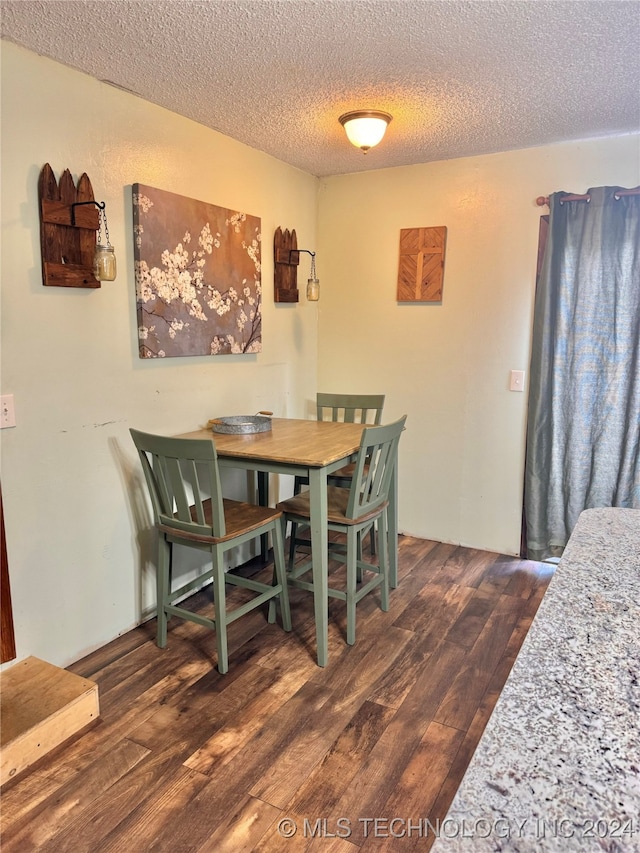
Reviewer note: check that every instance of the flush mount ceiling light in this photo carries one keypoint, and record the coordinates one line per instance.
(365, 128)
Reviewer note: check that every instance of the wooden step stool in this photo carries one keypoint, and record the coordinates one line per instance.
(41, 706)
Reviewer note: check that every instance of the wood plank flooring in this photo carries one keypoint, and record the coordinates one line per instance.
(189, 761)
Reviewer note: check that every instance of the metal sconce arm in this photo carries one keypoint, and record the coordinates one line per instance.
(99, 204)
(294, 255)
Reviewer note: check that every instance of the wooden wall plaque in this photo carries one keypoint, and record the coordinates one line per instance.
(285, 267)
(421, 264)
(67, 235)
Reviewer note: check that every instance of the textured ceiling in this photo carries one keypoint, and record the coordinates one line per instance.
(459, 77)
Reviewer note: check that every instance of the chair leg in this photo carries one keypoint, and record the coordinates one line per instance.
(297, 488)
(281, 577)
(263, 500)
(372, 546)
(353, 547)
(163, 575)
(292, 546)
(359, 557)
(219, 598)
(383, 559)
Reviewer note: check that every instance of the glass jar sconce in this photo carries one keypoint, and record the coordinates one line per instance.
(286, 260)
(74, 235)
(313, 283)
(104, 259)
(104, 262)
(104, 256)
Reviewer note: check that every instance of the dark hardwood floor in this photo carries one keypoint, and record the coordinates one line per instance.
(184, 759)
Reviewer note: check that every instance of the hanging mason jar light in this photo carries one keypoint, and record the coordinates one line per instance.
(313, 283)
(104, 259)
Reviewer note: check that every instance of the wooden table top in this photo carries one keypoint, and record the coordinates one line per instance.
(290, 441)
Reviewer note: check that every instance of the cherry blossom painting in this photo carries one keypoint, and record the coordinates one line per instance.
(197, 273)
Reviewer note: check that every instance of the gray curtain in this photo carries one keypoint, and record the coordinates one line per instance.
(583, 436)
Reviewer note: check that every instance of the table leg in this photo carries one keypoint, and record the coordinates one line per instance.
(320, 558)
(263, 500)
(393, 528)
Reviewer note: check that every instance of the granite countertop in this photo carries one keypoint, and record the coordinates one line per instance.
(558, 766)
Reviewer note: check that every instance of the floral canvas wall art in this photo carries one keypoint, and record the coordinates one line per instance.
(197, 273)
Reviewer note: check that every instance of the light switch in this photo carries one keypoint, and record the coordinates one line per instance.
(516, 380)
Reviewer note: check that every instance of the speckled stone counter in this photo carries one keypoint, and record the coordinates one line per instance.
(558, 766)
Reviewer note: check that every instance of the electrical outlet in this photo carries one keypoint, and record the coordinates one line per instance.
(7, 411)
(516, 380)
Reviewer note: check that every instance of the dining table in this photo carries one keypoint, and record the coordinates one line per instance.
(312, 449)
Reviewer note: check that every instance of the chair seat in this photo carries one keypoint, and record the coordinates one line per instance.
(239, 518)
(337, 500)
(346, 472)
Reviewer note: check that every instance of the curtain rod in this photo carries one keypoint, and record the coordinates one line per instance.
(544, 199)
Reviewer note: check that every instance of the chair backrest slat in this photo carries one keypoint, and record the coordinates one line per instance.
(350, 408)
(182, 474)
(176, 485)
(374, 467)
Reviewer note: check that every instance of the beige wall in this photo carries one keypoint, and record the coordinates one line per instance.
(80, 552)
(71, 485)
(447, 366)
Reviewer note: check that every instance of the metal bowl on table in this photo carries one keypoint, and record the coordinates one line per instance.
(242, 424)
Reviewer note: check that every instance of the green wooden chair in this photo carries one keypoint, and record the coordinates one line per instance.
(184, 484)
(350, 408)
(351, 511)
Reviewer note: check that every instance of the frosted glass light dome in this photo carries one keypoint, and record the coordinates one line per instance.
(365, 128)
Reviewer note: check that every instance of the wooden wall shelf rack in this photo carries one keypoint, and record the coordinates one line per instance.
(285, 268)
(68, 225)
